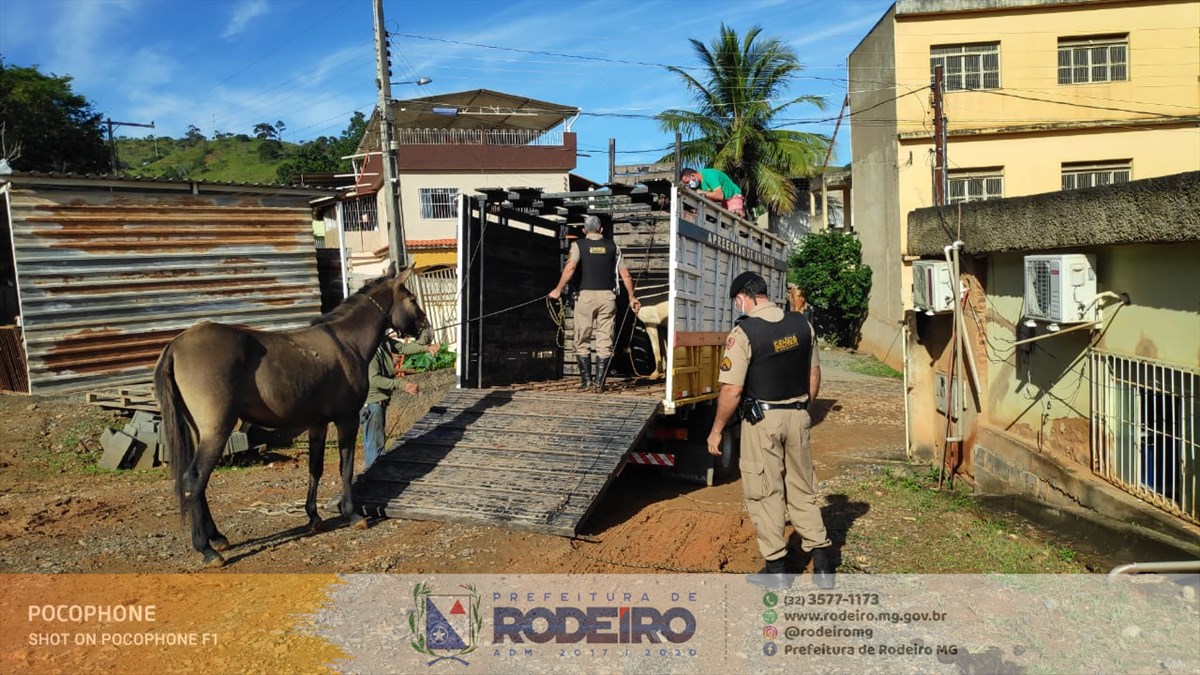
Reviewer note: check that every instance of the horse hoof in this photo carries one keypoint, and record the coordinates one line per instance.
(359, 524)
(314, 525)
(215, 561)
(219, 544)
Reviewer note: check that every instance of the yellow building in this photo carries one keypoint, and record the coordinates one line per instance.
(1039, 96)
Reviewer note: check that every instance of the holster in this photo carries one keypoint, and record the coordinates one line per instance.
(750, 410)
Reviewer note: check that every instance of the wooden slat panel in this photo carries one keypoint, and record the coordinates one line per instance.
(528, 460)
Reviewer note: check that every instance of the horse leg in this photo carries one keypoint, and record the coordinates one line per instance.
(208, 453)
(316, 467)
(347, 436)
(218, 541)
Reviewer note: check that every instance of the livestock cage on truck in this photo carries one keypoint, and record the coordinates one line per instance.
(682, 252)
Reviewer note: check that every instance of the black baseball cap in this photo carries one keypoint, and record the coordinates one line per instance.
(750, 283)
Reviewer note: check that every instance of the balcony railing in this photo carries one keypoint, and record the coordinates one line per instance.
(502, 137)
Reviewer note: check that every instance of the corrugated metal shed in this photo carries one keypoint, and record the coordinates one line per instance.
(109, 270)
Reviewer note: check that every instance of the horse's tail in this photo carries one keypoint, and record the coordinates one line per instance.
(174, 432)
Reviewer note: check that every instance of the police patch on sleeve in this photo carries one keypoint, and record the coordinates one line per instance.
(726, 365)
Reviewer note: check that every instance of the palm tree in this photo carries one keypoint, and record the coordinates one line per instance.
(732, 127)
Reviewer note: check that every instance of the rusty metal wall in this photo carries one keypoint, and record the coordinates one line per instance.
(107, 277)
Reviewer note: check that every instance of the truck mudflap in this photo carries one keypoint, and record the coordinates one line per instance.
(523, 460)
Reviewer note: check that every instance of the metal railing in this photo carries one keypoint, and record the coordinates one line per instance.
(506, 137)
(1146, 429)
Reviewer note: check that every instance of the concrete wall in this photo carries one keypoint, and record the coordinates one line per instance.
(1026, 130)
(875, 167)
(1034, 400)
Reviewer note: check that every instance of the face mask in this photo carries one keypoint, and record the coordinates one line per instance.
(693, 184)
(737, 304)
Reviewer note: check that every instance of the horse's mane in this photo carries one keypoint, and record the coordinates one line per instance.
(344, 306)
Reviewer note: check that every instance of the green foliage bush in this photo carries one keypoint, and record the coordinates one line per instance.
(829, 267)
(422, 361)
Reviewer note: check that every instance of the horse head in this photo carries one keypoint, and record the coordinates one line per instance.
(406, 315)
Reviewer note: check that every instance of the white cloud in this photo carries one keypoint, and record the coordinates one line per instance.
(81, 33)
(243, 14)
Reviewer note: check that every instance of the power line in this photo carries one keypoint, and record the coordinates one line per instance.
(295, 36)
(536, 51)
(995, 92)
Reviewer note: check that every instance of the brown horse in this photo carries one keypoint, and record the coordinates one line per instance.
(213, 374)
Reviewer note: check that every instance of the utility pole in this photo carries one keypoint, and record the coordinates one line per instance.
(941, 178)
(112, 144)
(612, 160)
(391, 200)
(678, 155)
(825, 168)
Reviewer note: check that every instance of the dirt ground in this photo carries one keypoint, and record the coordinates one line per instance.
(60, 514)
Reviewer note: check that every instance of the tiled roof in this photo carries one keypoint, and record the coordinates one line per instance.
(431, 243)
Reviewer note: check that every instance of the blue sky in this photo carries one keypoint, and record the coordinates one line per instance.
(228, 65)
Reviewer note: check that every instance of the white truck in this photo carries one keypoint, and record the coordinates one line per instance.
(516, 443)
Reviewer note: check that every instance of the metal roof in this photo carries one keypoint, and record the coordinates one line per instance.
(474, 109)
(109, 270)
(109, 181)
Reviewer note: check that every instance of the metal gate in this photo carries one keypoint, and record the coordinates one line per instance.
(1146, 429)
(437, 292)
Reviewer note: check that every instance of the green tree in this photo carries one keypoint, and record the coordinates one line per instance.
(194, 136)
(829, 267)
(739, 98)
(47, 126)
(264, 130)
(324, 154)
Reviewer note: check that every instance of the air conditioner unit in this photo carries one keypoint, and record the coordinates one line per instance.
(1061, 288)
(933, 286)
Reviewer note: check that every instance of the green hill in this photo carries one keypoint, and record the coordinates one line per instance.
(237, 159)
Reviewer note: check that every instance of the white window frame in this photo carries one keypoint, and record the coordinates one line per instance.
(966, 67)
(1082, 176)
(974, 185)
(438, 203)
(1086, 60)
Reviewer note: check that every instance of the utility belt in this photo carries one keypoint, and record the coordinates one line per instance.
(753, 410)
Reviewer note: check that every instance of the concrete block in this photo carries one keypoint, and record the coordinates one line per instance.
(143, 417)
(145, 456)
(147, 436)
(118, 448)
(238, 442)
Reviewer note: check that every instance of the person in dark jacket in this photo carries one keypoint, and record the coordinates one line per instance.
(599, 263)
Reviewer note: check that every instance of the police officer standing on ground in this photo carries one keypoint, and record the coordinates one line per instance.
(771, 371)
(599, 262)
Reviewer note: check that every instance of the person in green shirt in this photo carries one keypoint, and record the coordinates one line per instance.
(383, 381)
(715, 185)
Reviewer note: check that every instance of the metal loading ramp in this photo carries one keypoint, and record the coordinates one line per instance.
(523, 460)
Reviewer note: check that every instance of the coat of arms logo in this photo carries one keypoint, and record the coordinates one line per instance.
(445, 626)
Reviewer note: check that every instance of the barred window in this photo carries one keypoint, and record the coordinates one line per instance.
(439, 203)
(975, 186)
(966, 67)
(359, 214)
(1080, 176)
(1096, 59)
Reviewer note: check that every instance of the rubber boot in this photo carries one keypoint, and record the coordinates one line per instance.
(773, 576)
(601, 374)
(823, 568)
(585, 371)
